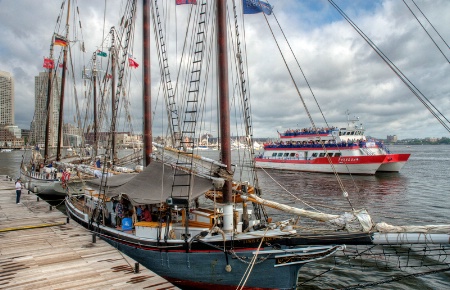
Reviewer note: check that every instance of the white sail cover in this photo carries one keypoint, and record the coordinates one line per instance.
(387, 228)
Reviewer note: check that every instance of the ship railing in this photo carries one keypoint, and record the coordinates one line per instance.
(327, 145)
(308, 132)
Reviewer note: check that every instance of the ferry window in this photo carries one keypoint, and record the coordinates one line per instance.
(321, 154)
(274, 154)
(348, 133)
(280, 154)
(292, 154)
(337, 154)
(329, 154)
(314, 155)
(286, 154)
(353, 133)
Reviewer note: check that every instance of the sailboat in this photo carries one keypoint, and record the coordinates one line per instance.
(44, 174)
(196, 228)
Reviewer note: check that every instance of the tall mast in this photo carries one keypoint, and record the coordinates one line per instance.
(94, 75)
(113, 100)
(63, 80)
(147, 134)
(224, 110)
(49, 104)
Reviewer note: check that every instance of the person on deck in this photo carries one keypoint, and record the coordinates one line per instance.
(139, 213)
(146, 216)
(119, 213)
(18, 190)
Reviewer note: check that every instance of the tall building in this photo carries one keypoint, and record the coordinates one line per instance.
(38, 125)
(6, 99)
(392, 138)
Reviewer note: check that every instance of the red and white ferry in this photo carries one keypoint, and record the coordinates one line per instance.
(345, 149)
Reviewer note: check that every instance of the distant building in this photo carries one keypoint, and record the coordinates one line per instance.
(72, 135)
(26, 135)
(104, 137)
(392, 138)
(38, 125)
(432, 139)
(10, 137)
(6, 99)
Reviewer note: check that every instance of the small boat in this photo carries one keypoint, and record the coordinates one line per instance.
(5, 150)
(315, 149)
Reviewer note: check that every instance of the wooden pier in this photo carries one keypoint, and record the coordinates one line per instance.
(40, 249)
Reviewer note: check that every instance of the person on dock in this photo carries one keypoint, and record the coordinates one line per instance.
(18, 190)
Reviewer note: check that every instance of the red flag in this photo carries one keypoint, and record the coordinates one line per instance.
(65, 176)
(48, 63)
(180, 2)
(108, 76)
(132, 63)
(60, 65)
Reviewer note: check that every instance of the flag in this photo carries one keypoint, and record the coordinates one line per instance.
(101, 53)
(256, 6)
(65, 176)
(60, 65)
(59, 40)
(109, 76)
(180, 2)
(48, 63)
(132, 63)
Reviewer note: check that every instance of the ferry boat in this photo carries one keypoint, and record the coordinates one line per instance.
(329, 150)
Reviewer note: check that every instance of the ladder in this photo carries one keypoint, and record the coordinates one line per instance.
(247, 117)
(172, 112)
(183, 176)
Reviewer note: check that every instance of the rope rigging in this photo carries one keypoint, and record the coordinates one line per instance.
(431, 38)
(421, 97)
(341, 184)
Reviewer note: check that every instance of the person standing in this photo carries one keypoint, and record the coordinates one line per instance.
(18, 190)
(119, 213)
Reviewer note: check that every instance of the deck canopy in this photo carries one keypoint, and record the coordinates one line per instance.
(154, 185)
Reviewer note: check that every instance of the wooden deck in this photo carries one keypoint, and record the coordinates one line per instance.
(40, 250)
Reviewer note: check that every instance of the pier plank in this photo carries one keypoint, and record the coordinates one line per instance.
(39, 250)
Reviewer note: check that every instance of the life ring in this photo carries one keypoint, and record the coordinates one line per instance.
(296, 155)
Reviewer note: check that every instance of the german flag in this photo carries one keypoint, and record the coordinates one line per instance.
(60, 41)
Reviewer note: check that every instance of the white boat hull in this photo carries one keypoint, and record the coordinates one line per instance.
(393, 162)
(362, 165)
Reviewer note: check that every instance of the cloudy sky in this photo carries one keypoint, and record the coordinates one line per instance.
(344, 72)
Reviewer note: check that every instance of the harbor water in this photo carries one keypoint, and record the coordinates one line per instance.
(418, 195)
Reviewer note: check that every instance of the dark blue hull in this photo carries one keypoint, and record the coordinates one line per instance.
(207, 269)
(215, 264)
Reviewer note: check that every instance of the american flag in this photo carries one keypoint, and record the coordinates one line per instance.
(65, 176)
